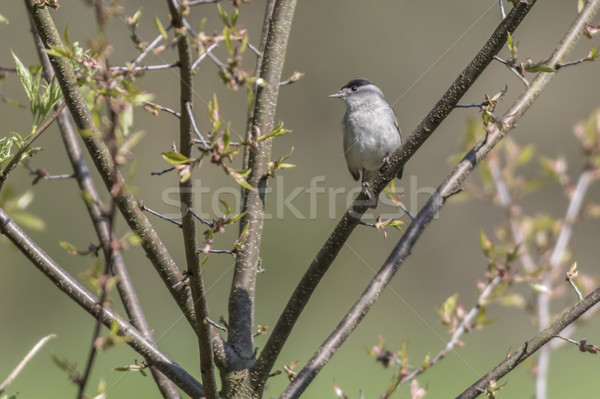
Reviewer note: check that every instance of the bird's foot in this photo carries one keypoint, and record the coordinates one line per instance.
(370, 194)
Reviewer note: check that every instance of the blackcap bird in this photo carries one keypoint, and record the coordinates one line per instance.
(370, 128)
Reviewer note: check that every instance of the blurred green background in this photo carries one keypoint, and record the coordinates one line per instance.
(413, 51)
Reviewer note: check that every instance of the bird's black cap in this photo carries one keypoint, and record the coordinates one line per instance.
(357, 83)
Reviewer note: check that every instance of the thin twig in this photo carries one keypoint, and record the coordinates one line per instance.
(148, 49)
(513, 70)
(190, 115)
(470, 105)
(204, 221)
(198, 2)
(206, 334)
(216, 61)
(579, 295)
(502, 12)
(571, 63)
(215, 324)
(11, 377)
(143, 207)
(210, 48)
(144, 68)
(162, 108)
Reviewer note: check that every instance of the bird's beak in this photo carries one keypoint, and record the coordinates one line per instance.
(337, 95)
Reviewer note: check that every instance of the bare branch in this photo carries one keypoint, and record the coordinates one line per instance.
(206, 332)
(162, 108)
(241, 299)
(11, 377)
(203, 56)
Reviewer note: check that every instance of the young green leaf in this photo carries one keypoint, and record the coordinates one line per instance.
(160, 27)
(223, 15)
(175, 158)
(227, 37)
(276, 132)
(24, 76)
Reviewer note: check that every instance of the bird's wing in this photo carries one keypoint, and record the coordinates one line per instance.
(399, 175)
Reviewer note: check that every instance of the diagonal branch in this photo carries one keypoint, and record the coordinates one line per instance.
(89, 303)
(531, 346)
(125, 201)
(205, 332)
(450, 186)
(398, 159)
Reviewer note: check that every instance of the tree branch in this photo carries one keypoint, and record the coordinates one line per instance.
(397, 160)
(450, 186)
(89, 303)
(241, 299)
(532, 345)
(13, 374)
(205, 331)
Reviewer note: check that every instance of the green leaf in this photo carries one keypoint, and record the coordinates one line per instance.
(226, 137)
(3, 20)
(223, 15)
(234, 16)
(486, 245)
(276, 132)
(244, 44)
(235, 218)
(28, 220)
(175, 158)
(160, 27)
(579, 5)
(58, 52)
(509, 43)
(242, 182)
(239, 243)
(226, 206)
(71, 249)
(227, 37)
(24, 76)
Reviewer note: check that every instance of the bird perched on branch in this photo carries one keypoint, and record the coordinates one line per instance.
(370, 129)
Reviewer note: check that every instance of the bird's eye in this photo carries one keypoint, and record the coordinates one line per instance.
(354, 88)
